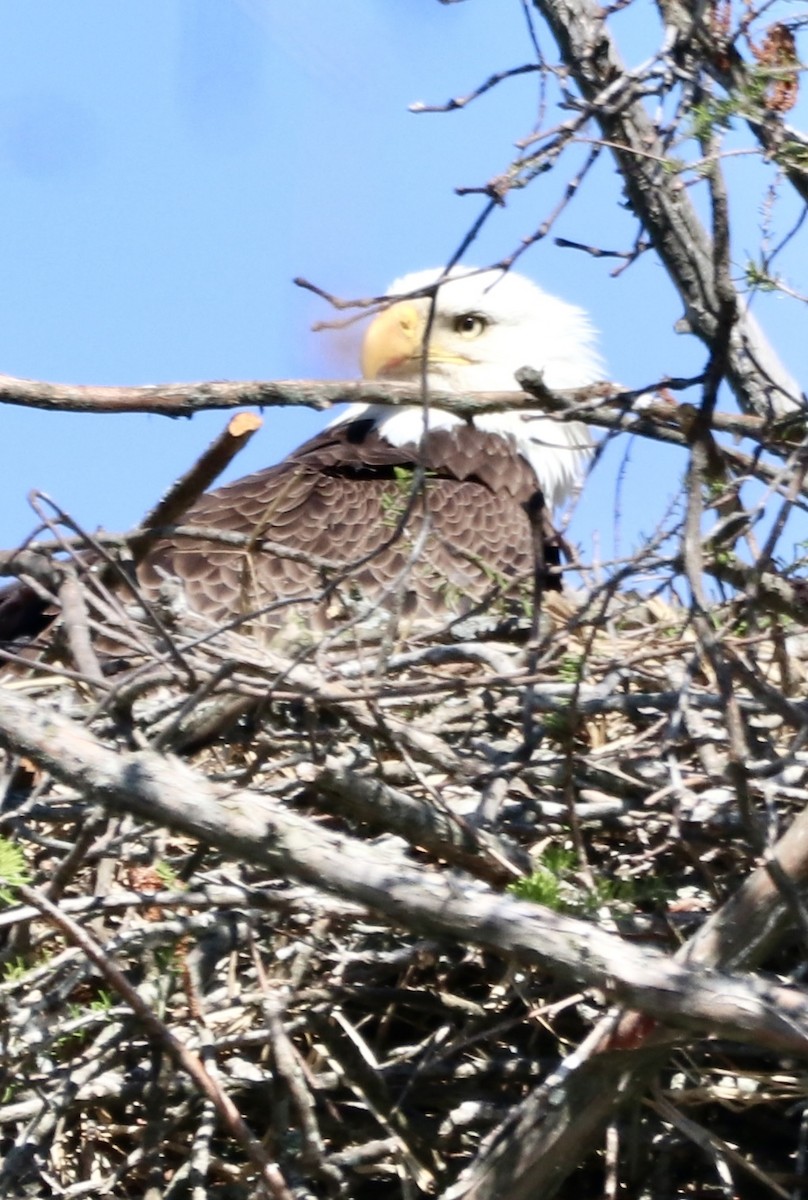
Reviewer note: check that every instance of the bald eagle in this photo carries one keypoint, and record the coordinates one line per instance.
(411, 510)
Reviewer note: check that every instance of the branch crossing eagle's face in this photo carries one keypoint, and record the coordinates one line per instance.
(474, 336)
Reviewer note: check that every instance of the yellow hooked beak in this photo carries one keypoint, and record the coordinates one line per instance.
(394, 337)
(394, 343)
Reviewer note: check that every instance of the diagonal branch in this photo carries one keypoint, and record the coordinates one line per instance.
(759, 381)
(254, 828)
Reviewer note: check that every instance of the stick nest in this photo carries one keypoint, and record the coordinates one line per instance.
(595, 772)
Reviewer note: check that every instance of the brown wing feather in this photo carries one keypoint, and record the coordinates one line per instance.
(340, 497)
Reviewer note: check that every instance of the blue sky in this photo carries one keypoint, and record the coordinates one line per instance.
(169, 166)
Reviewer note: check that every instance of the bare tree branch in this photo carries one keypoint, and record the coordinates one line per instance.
(147, 785)
(613, 93)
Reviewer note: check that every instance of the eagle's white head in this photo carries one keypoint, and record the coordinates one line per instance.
(485, 326)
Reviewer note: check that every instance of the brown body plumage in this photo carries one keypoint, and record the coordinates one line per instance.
(350, 498)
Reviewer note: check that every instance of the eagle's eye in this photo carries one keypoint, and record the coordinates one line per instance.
(470, 324)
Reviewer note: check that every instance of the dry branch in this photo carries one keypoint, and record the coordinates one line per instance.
(185, 491)
(184, 399)
(269, 1177)
(540, 1142)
